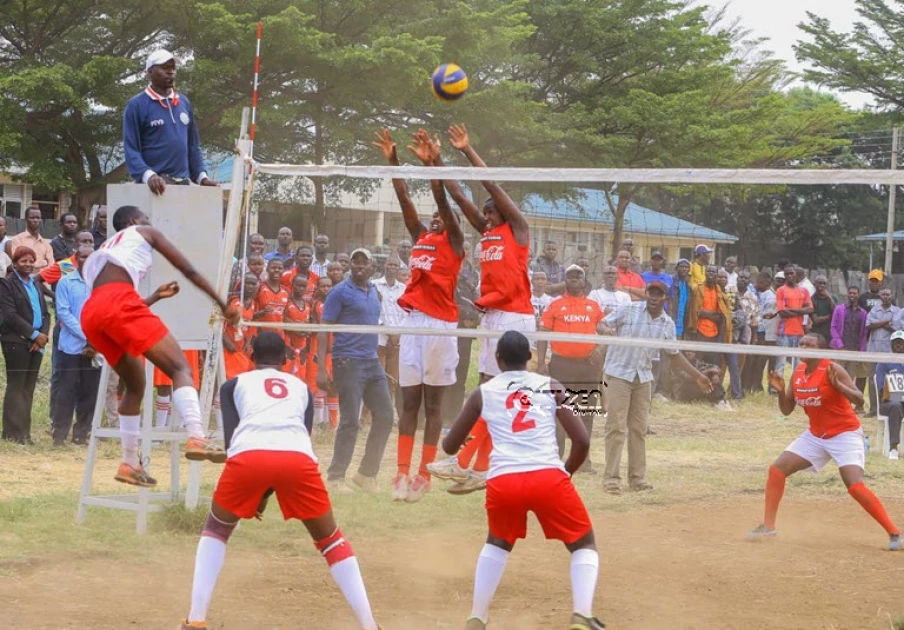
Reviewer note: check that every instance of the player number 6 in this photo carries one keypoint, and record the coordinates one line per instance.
(276, 388)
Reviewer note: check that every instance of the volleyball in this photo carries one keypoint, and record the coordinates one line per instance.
(449, 82)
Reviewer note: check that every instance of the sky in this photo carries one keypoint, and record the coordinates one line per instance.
(778, 20)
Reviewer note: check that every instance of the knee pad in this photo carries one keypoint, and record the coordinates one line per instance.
(215, 528)
(334, 548)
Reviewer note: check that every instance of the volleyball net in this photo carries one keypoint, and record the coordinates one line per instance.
(587, 217)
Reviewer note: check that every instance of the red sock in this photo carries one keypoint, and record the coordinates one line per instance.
(470, 448)
(332, 404)
(428, 454)
(871, 503)
(775, 488)
(406, 447)
(483, 454)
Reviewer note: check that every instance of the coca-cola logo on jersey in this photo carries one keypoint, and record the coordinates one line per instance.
(424, 262)
(811, 401)
(492, 253)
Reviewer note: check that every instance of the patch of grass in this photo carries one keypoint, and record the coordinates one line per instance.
(177, 518)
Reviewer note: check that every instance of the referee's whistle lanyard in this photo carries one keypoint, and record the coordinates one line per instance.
(164, 101)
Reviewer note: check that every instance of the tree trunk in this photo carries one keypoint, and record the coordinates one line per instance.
(319, 217)
(618, 209)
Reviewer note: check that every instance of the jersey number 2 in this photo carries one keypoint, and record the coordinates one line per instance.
(520, 401)
(276, 387)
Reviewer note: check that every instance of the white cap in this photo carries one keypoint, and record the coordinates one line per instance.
(158, 58)
(574, 268)
(364, 252)
(898, 334)
(780, 275)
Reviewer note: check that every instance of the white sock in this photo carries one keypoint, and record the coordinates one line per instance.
(347, 574)
(185, 399)
(320, 415)
(490, 567)
(219, 412)
(129, 434)
(163, 409)
(208, 562)
(585, 567)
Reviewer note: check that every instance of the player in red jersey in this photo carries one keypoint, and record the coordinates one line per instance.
(825, 392)
(426, 363)
(325, 402)
(120, 326)
(237, 340)
(272, 296)
(522, 410)
(267, 426)
(505, 294)
(298, 312)
(304, 256)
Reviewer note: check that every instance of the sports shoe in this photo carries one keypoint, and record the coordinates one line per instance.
(893, 454)
(368, 484)
(400, 487)
(420, 485)
(134, 476)
(612, 488)
(475, 481)
(762, 532)
(338, 486)
(193, 625)
(724, 405)
(641, 486)
(894, 542)
(199, 449)
(474, 623)
(580, 622)
(448, 469)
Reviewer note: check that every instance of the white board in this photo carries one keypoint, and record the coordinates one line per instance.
(192, 218)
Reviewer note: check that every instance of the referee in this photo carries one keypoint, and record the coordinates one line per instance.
(160, 136)
(575, 365)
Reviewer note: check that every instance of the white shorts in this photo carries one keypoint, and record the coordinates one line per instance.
(500, 320)
(426, 360)
(845, 448)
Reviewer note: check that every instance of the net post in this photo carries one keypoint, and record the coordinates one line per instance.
(892, 197)
(214, 341)
(88, 476)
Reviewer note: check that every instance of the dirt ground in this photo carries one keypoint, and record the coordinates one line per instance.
(683, 566)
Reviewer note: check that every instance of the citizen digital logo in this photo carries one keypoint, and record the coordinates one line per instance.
(583, 402)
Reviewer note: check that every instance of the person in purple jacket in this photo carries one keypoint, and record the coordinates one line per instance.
(160, 136)
(849, 333)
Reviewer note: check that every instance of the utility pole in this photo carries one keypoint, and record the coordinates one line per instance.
(892, 193)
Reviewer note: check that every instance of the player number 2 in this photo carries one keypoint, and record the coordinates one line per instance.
(276, 388)
(521, 401)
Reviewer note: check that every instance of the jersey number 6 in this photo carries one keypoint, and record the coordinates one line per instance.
(276, 387)
(520, 400)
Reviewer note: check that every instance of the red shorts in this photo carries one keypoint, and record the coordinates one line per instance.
(116, 321)
(293, 476)
(547, 493)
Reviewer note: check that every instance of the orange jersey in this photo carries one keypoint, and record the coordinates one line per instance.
(577, 315)
(297, 315)
(434, 276)
(289, 277)
(240, 336)
(504, 282)
(276, 300)
(829, 411)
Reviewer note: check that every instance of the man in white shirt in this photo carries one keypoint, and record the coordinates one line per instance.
(539, 299)
(321, 262)
(607, 296)
(391, 314)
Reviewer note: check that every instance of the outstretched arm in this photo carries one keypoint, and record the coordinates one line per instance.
(468, 208)
(458, 135)
(177, 259)
(409, 213)
(427, 151)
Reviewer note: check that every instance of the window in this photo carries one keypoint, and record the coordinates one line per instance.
(686, 252)
(11, 199)
(49, 203)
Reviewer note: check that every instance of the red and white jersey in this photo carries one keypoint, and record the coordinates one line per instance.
(434, 275)
(127, 249)
(829, 411)
(520, 412)
(271, 409)
(504, 278)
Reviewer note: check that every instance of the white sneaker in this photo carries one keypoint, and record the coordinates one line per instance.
(893, 454)
(400, 488)
(448, 469)
(475, 481)
(419, 486)
(724, 405)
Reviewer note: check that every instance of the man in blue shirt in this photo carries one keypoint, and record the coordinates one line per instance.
(892, 409)
(160, 136)
(679, 296)
(357, 374)
(79, 376)
(284, 250)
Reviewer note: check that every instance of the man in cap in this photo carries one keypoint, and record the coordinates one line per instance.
(701, 262)
(890, 383)
(575, 365)
(871, 298)
(657, 271)
(628, 374)
(160, 136)
(357, 374)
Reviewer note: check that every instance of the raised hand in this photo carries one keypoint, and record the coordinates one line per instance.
(422, 147)
(386, 145)
(458, 137)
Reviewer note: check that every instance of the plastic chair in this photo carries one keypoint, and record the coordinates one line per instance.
(883, 423)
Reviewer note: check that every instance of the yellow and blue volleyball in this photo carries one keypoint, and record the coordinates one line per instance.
(449, 82)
